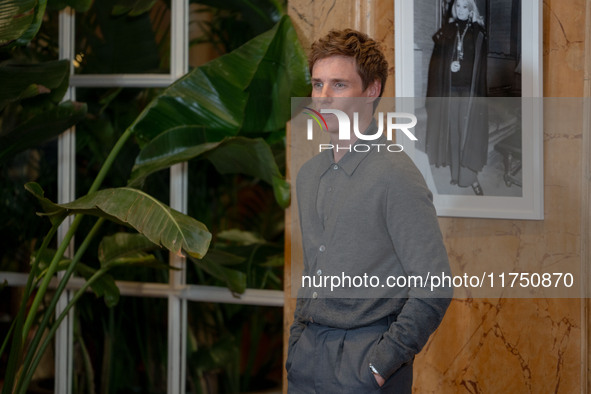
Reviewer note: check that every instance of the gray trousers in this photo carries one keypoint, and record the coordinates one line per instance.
(328, 360)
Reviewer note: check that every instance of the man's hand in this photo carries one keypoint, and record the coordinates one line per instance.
(379, 379)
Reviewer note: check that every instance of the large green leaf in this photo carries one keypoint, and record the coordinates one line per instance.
(241, 237)
(214, 264)
(56, 214)
(20, 81)
(155, 220)
(120, 245)
(251, 157)
(41, 127)
(20, 21)
(103, 286)
(126, 249)
(15, 18)
(232, 155)
(259, 77)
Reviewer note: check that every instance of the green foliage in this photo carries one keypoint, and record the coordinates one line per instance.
(30, 108)
(156, 221)
(244, 92)
(230, 156)
(227, 112)
(20, 21)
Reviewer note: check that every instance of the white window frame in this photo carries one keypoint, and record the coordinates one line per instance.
(177, 291)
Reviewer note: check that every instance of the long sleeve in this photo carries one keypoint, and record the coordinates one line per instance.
(417, 240)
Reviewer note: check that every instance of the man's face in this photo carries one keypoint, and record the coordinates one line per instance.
(334, 79)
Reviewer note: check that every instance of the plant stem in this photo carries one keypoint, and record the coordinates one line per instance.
(66, 241)
(109, 160)
(17, 342)
(22, 387)
(58, 292)
(70, 234)
(30, 279)
(48, 276)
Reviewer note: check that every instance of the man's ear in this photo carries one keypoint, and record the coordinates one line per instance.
(374, 88)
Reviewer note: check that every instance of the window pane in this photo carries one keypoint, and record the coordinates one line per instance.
(21, 230)
(234, 348)
(110, 40)
(121, 349)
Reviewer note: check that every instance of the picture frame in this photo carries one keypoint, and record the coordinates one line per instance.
(511, 181)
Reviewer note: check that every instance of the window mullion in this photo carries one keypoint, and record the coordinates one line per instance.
(177, 306)
(64, 338)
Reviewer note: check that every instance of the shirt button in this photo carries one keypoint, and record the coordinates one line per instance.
(319, 272)
(314, 295)
(330, 189)
(322, 248)
(335, 167)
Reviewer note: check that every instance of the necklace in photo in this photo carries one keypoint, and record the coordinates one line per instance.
(455, 65)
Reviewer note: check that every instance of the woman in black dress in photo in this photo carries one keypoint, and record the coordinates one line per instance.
(457, 128)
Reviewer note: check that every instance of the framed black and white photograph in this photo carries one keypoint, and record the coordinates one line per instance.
(471, 72)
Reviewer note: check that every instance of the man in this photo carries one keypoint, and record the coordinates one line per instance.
(361, 213)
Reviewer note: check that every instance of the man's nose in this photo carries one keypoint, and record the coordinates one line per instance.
(327, 91)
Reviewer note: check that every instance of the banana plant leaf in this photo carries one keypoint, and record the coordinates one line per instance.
(103, 286)
(20, 21)
(240, 237)
(15, 18)
(232, 155)
(40, 128)
(246, 91)
(156, 221)
(56, 214)
(214, 264)
(121, 245)
(20, 81)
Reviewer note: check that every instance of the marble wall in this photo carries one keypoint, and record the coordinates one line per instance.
(503, 345)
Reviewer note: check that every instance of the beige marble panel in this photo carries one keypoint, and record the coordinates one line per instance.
(503, 346)
(564, 47)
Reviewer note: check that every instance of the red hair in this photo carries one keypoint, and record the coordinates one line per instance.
(371, 62)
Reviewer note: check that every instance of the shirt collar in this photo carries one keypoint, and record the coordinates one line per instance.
(351, 160)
